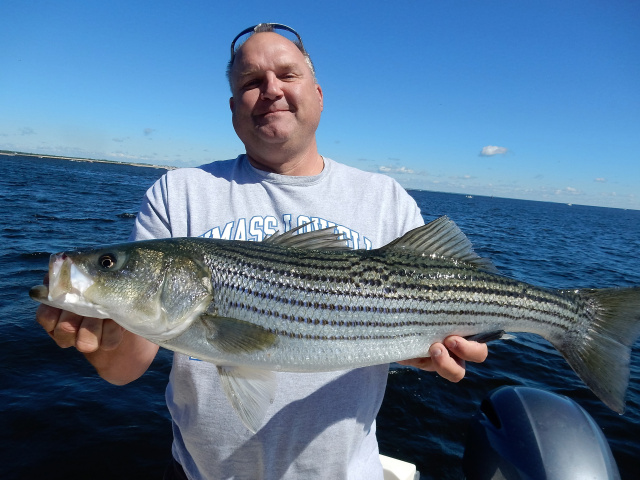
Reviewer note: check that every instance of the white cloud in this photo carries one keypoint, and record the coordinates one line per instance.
(148, 131)
(27, 131)
(462, 177)
(385, 169)
(491, 150)
(568, 191)
(601, 180)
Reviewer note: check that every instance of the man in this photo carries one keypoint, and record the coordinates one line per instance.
(320, 425)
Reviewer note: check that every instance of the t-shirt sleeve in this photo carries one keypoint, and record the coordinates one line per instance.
(408, 211)
(153, 220)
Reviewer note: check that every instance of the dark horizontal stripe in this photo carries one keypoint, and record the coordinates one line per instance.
(272, 258)
(318, 274)
(374, 276)
(391, 336)
(427, 322)
(418, 296)
(308, 336)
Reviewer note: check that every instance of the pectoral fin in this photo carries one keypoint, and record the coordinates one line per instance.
(250, 392)
(236, 336)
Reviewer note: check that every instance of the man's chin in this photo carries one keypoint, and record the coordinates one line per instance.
(273, 133)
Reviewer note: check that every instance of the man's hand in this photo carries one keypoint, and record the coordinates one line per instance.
(87, 334)
(448, 360)
(118, 356)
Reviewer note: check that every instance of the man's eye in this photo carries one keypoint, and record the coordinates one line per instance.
(251, 84)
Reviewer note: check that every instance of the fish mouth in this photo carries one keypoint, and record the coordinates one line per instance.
(65, 278)
(39, 293)
(67, 284)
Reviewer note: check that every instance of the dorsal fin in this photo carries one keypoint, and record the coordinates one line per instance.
(324, 239)
(441, 238)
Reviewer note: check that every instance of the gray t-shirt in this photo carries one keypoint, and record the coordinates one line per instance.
(320, 425)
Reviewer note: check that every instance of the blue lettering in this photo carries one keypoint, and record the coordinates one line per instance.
(355, 239)
(304, 220)
(271, 225)
(286, 218)
(260, 227)
(346, 233)
(256, 228)
(241, 230)
(215, 232)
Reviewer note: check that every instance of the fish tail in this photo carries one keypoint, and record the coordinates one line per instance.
(600, 353)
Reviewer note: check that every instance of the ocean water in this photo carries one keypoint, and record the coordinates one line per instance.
(59, 420)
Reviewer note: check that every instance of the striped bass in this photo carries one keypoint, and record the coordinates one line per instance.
(306, 303)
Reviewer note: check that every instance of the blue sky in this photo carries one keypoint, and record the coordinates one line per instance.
(523, 99)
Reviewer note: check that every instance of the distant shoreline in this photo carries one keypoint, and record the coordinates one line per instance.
(11, 153)
(88, 160)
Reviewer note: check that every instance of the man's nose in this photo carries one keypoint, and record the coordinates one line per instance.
(271, 87)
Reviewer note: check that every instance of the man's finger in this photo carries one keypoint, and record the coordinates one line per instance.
(112, 335)
(89, 335)
(47, 317)
(66, 330)
(423, 363)
(447, 366)
(466, 350)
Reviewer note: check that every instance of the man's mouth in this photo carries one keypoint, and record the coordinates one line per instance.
(265, 110)
(274, 112)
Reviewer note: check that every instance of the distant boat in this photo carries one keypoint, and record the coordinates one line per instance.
(469, 196)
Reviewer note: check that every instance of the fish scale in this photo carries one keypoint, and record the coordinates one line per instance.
(264, 287)
(304, 303)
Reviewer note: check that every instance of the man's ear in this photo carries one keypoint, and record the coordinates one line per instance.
(320, 96)
(231, 103)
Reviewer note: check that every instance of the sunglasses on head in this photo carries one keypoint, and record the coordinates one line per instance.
(264, 27)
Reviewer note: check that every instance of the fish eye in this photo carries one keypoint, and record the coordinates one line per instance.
(107, 261)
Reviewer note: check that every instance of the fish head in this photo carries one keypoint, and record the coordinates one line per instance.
(154, 289)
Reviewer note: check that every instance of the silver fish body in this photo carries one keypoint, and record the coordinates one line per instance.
(303, 303)
(337, 310)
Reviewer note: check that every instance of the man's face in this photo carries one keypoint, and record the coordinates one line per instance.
(276, 103)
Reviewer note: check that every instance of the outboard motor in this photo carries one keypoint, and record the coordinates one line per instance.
(525, 433)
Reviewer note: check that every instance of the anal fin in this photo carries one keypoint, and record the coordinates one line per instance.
(250, 392)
